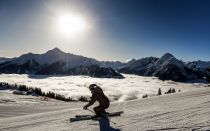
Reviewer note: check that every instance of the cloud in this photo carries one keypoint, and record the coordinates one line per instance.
(132, 87)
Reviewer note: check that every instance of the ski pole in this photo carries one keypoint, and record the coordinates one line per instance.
(91, 111)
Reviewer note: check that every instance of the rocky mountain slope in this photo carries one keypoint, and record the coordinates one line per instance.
(166, 68)
(57, 62)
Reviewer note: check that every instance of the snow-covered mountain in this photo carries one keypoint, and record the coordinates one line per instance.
(3, 59)
(201, 67)
(113, 64)
(53, 56)
(138, 67)
(166, 68)
(169, 68)
(56, 61)
(198, 65)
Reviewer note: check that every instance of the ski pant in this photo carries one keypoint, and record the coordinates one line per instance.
(100, 109)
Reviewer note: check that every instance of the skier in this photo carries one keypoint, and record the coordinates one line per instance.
(98, 95)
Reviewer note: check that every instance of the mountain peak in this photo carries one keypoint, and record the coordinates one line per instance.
(55, 51)
(167, 56)
(130, 60)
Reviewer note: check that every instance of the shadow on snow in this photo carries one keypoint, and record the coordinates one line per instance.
(104, 124)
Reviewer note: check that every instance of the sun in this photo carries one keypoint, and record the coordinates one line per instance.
(71, 25)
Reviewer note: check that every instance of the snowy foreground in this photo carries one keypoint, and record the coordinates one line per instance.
(132, 87)
(180, 111)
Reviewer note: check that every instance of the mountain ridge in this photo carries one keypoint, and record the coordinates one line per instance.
(165, 68)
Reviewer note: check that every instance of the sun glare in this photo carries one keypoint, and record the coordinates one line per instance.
(71, 25)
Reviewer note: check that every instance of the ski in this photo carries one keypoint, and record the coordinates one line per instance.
(92, 117)
(83, 115)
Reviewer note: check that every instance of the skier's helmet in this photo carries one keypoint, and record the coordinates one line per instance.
(92, 87)
(95, 88)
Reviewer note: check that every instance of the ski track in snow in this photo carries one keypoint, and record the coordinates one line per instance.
(180, 111)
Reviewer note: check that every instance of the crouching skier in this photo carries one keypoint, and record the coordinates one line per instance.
(98, 95)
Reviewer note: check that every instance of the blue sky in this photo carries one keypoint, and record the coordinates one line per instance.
(120, 29)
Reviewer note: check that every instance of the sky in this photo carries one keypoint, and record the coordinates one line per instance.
(114, 29)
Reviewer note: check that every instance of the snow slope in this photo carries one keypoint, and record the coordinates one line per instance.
(180, 111)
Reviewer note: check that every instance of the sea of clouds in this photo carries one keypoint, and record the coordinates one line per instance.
(132, 87)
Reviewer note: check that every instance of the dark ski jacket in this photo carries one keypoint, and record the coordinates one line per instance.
(98, 95)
